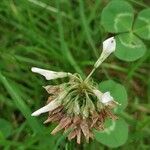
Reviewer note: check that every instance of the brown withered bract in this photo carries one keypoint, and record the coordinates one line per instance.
(81, 127)
(52, 89)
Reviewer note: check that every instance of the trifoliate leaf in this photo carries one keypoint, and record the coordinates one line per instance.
(5, 128)
(129, 47)
(115, 134)
(116, 90)
(117, 16)
(142, 24)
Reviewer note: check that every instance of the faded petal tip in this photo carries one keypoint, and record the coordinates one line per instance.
(36, 113)
(34, 69)
(109, 45)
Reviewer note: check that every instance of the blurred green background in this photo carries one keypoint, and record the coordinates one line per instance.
(62, 35)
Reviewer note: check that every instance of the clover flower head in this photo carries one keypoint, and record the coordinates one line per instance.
(76, 104)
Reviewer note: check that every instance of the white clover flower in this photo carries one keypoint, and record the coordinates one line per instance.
(106, 98)
(50, 75)
(49, 107)
(109, 45)
(52, 105)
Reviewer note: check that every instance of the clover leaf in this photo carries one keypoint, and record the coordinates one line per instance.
(118, 17)
(115, 134)
(142, 24)
(129, 47)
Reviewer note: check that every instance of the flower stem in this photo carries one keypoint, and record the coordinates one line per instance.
(96, 65)
(93, 70)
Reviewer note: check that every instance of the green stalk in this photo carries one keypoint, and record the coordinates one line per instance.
(102, 57)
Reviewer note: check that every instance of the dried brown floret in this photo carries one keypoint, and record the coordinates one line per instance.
(80, 127)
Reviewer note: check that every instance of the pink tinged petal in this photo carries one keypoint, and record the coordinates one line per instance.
(79, 136)
(63, 123)
(51, 106)
(49, 75)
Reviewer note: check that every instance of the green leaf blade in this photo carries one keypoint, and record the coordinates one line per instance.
(114, 135)
(21, 105)
(142, 24)
(5, 128)
(117, 16)
(129, 47)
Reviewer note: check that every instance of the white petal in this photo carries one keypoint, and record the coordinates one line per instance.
(106, 98)
(49, 107)
(49, 75)
(109, 45)
(98, 94)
